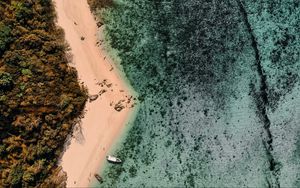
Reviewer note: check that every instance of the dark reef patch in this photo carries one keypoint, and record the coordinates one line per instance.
(262, 100)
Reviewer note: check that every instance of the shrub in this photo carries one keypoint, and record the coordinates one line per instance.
(5, 80)
(4, 37)
(15, 175)
(26, 72)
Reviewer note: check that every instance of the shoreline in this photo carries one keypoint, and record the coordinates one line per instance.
(101, 125)
(128, 125)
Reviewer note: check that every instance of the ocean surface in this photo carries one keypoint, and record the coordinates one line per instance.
(219, 88)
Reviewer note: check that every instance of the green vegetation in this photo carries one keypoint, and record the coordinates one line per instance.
(96, 4)
(5, 80)
(40, 98)
(4, 36)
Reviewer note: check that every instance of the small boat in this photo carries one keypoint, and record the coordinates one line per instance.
(98, 177)
(113, 159)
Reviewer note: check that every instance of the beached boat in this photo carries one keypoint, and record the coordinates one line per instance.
(113, 159)
(99, 178)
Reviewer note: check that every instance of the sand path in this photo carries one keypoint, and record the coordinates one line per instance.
(102, 124)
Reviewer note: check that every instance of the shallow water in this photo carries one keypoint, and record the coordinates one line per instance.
(219, 90)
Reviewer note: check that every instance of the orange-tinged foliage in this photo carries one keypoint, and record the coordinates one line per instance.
(40, 98)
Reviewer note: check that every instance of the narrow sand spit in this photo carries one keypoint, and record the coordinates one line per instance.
(102, 124)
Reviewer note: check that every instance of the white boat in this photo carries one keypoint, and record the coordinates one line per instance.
(113, 159)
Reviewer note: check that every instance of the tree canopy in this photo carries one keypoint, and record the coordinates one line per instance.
(40, 98)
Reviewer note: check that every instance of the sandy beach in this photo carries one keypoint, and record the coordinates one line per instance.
(101, 125)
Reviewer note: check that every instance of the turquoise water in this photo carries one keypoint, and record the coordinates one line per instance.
(219, 88)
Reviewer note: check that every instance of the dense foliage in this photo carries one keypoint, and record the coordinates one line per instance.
(40, 98)
(97, 4)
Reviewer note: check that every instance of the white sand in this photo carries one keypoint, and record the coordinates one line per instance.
(102, 124)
